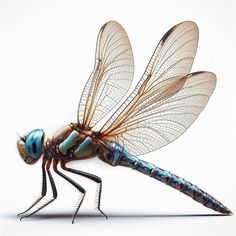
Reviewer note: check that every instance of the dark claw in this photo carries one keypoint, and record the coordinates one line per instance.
(103, 214)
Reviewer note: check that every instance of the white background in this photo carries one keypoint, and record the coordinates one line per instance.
(47, 54)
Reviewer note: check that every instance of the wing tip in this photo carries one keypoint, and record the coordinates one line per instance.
(193, 23)
(212, 75)
(167, 34)
(212, 79)
(172, 29)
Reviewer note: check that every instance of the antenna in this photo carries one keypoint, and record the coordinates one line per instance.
(21, 138)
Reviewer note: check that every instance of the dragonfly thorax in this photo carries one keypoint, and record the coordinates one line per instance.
(73, 143)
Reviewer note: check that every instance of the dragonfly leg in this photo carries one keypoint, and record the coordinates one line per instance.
(43, 191)
(76, 185)
(92, 177)
(54, 192)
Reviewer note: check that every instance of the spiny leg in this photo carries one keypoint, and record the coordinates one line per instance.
(54, 192)
(92, 177)
(43, 191)
(76, 185)
(98, 200)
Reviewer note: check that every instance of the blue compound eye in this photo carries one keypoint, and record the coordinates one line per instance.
(34, 143)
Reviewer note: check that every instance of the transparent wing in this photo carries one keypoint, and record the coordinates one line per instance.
(164, 76)
(161, 114)
(111, 77)
(172, 57)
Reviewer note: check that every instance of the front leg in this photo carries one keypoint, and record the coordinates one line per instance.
(43, 191)
(54, 192)
(92, 177)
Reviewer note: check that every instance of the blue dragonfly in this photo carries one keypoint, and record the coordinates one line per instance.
(165, 102)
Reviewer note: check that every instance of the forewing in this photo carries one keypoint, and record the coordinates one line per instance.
(111, 77)
(173, 55)
(160, 116)
(137, 123)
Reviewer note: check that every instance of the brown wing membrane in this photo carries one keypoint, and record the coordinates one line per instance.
(111, 77)
(148, 119)
(161, 115)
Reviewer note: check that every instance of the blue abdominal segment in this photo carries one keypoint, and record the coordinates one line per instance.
(118, 156)
(68, 142)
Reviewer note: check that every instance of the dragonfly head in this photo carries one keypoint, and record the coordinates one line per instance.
(30, 146)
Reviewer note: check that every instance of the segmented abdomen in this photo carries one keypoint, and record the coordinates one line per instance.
(118, 156)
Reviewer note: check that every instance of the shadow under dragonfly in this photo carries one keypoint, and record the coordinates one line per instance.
(64, 215)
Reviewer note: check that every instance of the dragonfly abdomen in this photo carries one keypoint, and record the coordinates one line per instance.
(120, 157)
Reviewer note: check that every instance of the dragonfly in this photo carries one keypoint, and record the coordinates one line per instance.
(165, 102)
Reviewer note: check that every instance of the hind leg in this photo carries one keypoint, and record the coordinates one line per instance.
(92, 177)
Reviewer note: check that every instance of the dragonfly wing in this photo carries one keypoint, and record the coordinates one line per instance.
(161, 116)
(173, 55)
(166, 100)
(111, 77)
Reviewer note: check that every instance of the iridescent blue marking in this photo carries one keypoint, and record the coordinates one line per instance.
(189, 189)
(68, 142)
(83, 146)
(201, 196)
(177, 182)
(162, 175)
(115, 155)
(33, 143)
(132, 159)
(145, 167)
(211, 203)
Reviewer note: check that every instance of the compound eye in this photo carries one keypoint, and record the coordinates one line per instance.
(34, 143)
